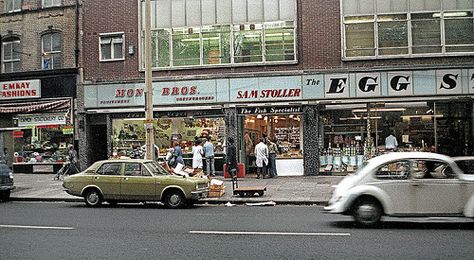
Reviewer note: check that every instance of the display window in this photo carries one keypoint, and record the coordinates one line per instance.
(352, 134)
(285, 130)
(129, 134)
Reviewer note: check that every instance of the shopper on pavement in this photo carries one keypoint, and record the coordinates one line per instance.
(197, 156)
(261, 154)
(208, 149)
(231, 158)
(178, 153)
(272, 152)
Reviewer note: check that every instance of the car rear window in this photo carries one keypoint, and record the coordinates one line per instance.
(467, 166)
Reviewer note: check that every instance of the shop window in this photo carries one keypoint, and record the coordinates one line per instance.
(11, 58)
(110, 169)
(279, 41)
(50, 3)
(112, 47)
(459, 31)
(426, 33)
(216, 44)
(248, 42)
(161, 48)
(392, 34)
(51, 51)
(186, 46)
(359, 36)
(12, 6)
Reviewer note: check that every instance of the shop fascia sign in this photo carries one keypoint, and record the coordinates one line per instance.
(25, 120)
(269, 110)
(393, 83)
(20, 89)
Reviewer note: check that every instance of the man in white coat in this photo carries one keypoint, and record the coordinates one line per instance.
(261, 154)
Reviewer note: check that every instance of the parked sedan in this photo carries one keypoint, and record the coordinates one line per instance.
(414, 184)
(6, 182)
(132, 180)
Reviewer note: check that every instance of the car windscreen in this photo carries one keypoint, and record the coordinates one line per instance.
(155, 168)
(467, 166)
(4, 169)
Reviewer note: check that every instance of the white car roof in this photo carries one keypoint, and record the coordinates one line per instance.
(410, 155)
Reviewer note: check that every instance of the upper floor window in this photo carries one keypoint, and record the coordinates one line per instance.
(391, 28)
(11, 56)
(50, 3)
(51, 51)
(112, 47)
(12, 6)
(191, 33)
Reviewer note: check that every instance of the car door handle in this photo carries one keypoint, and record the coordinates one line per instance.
(125, 179)
(415, 184)
(96, 177)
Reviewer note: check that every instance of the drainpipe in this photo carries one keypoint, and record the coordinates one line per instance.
(76, 50)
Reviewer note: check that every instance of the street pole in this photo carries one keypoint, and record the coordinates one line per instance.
(149, 137)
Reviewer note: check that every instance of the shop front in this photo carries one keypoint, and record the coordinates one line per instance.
(37, 123)
(282, 125)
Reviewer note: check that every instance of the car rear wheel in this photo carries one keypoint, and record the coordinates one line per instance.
(174, 199)
(367, 212)
(93, 198)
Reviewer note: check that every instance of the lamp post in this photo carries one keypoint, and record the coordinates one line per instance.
(149, 133)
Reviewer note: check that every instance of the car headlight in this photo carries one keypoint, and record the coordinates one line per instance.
(10, 175)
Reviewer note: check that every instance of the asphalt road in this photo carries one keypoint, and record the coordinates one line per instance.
(33, 230)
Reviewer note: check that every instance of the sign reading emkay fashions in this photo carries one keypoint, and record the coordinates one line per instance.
(20, 89)
(287, 88)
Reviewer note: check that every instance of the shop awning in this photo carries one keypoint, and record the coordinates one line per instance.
(39, 106)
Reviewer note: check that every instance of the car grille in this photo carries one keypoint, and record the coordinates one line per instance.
(202, 186)
(5, 180)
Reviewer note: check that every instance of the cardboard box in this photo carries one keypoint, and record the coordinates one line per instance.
(214, 187)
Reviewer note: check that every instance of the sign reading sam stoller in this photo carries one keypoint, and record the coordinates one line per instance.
(20, 89)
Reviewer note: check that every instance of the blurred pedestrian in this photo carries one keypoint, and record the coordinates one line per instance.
(208, 149)
(231, 158)
(261, 153)
(178, 153)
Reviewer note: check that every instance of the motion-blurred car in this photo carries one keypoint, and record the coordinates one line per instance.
(466, 163)
(6, 182)
(134, 180)
(404, 184)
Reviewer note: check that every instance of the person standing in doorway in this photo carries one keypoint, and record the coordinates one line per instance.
(208, 149)
(261, 154)
(248, 150)
(272, 152)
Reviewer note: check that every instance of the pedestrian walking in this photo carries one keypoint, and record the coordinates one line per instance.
(208, 149)
(231, 158)
(197, 156)
(178, 153)
(70, 166)
(261, 154)
(272, 153)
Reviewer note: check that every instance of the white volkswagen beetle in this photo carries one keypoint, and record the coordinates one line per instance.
(404, 184)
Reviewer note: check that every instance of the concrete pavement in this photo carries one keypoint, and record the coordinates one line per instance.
(281, 190)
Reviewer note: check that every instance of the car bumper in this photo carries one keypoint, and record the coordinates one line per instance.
(199, 194)
(7, 188)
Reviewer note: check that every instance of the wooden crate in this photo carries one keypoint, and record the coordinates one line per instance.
(215, 193)
(216, 187)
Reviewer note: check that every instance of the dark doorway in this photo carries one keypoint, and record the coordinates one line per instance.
(98, 143)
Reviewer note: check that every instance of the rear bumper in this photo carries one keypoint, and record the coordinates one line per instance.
(7, 188)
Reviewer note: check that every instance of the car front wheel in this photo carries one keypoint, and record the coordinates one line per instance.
(5, 195)
(174, 199)
(367, 212)
(93, 198)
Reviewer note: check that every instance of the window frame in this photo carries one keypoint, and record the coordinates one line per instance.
(10, 41)
(17, 3)
(53, 3)
(110, 164)
(52, 53)
(112, 52)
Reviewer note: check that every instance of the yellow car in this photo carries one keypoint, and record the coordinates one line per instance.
(134, 180)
